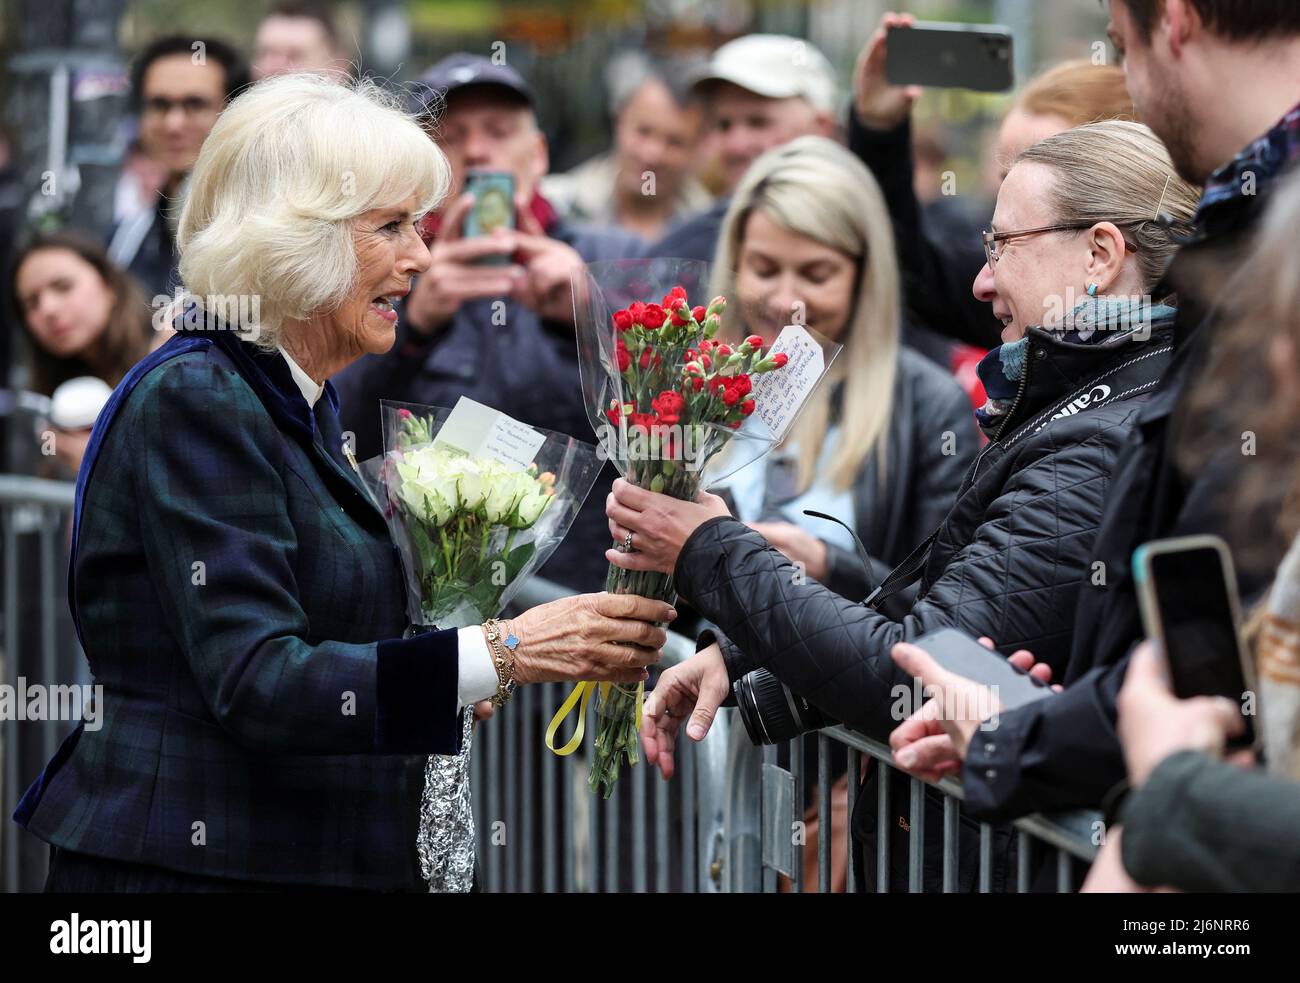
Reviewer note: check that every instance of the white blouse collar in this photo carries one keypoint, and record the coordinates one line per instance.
(310, 390)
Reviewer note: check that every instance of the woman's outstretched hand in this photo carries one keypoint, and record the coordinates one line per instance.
(694, 688)
(659, 524)
(600, 637)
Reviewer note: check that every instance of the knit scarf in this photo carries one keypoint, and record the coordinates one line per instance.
(1095, 321)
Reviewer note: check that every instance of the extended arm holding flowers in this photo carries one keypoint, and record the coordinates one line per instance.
(678, 393)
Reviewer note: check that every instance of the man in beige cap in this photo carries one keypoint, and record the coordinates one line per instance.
(759, 91)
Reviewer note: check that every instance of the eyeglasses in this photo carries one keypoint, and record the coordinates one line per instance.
(992, 240)
(189, 106)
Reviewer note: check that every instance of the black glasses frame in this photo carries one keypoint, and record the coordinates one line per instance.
(991, 238)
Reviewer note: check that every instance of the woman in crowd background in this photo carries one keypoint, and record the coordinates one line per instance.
(82, 317)
(885, 439)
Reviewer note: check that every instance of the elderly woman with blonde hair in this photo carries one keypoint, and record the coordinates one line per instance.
(264, 722)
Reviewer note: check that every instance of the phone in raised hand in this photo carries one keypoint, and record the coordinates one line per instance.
(951, 56)
(493, 208)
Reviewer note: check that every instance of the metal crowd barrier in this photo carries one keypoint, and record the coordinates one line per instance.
(723, 824)
(725, 821)
(756, 780)
(541, 829)
(36, 645)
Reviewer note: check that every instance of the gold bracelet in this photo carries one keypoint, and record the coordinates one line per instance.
(502, 660)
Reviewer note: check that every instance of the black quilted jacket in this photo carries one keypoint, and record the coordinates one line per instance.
(1007, 562)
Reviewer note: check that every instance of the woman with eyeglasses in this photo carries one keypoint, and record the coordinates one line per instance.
(1083, 231)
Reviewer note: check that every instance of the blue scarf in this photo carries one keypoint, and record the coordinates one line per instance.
(1096, 321)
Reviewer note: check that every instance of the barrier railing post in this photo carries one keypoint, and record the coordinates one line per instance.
(950, 845)
(883, 830)
(824, 813)
(916, 838)
(855, 771)
(12, 748)
(550, 800)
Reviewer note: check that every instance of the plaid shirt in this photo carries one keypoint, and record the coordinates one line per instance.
(1264, 160)
(240, 601)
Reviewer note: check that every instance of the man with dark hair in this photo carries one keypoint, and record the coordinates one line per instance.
(1236, 20)
(1210, 77)
(179, 85)
(298, 37)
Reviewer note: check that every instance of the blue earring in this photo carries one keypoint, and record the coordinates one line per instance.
(1092, 290)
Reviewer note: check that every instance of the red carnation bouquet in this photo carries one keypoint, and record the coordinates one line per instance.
(681, 394)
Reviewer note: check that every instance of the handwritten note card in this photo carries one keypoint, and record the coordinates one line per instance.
(780, 394)
(481, 431)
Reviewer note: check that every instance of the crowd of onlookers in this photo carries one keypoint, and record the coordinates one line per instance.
(1141, 235)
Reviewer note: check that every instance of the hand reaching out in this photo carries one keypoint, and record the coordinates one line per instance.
(932, 743)
(694, 688)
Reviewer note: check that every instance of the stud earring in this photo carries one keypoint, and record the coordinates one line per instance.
(1092, 290)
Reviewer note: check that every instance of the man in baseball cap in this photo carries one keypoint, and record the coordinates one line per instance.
(462, 71)
(759, 91)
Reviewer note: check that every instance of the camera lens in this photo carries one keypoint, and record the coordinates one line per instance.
(770, 712)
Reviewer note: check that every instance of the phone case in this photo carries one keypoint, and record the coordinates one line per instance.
(494, 207)
(951, 56)
(1149, 607)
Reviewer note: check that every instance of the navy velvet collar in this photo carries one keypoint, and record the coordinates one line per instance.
(269, 375)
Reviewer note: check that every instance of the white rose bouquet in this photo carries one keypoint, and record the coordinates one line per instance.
(475, 501)
(463, 517)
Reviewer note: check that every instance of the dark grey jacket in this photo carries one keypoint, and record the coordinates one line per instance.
(1204, 825)
(1008, 561)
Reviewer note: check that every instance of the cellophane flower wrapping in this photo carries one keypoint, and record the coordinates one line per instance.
(675, 383)
(473, 513)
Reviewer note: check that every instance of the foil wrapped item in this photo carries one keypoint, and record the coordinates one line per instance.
(446, 837)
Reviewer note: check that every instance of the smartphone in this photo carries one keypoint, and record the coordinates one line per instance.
(958, 652)
(1187, 593)
(951, 56)
(493, 208)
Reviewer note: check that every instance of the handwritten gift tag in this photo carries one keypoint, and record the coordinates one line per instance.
(481, 431)
(780, 394)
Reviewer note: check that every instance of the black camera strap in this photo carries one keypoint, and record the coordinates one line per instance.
(900, 578)
(904, 575)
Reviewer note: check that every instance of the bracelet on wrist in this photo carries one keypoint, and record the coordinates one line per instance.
(503, 644)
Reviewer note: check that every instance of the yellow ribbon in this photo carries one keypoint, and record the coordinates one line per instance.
(580, 696)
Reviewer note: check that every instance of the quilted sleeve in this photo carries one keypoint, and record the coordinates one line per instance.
(1015, 580)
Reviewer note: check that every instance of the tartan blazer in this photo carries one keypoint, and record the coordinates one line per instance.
(240, 601)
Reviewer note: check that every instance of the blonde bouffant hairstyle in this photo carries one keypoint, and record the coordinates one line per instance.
(288, 167)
